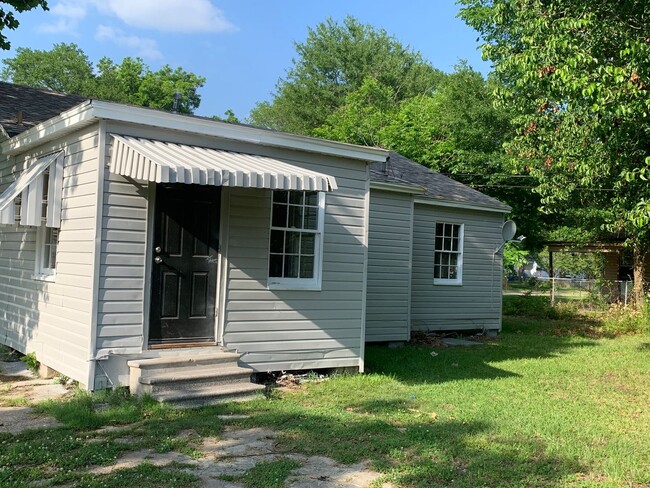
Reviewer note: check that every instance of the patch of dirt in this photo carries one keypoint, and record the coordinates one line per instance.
(237, 451)
(18, 384)
(14, 420)
(232, 454)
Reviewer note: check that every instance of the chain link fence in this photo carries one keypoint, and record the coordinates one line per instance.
(588, 293)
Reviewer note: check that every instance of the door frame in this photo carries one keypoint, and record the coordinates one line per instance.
(222, 268)
(152, 196)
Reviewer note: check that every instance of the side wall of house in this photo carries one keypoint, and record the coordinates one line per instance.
(283, 329)
(53, 319)
(476, 304)
(389, 266)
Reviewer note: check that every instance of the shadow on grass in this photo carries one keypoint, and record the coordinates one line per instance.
(415, 453)
(522, 339)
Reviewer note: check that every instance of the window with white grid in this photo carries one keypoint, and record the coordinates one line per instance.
(295, 241)
(448, 258)
(47, 239)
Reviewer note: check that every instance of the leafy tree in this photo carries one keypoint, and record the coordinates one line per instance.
(455, 130)
(514, 258)
(577, 74)
(229, 117)
(65, 68)
(9, 21)
(335, 60)
(364, 116)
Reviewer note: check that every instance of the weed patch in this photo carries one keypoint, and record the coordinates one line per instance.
(31, 362)
(271, 474)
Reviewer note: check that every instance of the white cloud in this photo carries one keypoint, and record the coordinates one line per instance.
(186, 16)
(183, 16)
(142, 46)
(59, 27)
(68, 14)
(71, 9)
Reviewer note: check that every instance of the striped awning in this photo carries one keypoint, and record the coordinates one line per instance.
(40, 194)
(166, 162)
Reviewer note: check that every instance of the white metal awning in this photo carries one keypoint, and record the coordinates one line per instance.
(28, 201)
(167, 162)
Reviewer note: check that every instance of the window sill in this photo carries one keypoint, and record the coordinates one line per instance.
(44, 277)
(447, 283)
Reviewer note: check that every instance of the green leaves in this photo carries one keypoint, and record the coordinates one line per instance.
(66, 68)
(334, 61)
(589, 60)
(9, 21)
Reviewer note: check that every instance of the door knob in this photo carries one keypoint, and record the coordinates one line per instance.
(157, 260)
(158, 249)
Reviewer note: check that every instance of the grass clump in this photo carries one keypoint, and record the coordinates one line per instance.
(143, 476)
(270, 474)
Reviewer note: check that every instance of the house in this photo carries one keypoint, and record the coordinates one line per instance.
(146, 248)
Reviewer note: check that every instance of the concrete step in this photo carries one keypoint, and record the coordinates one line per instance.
(172, 364)
(194, 379)
(211, 396)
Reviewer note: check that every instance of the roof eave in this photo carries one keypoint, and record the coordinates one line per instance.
(463, 205)
(90, 110)
(73, 119)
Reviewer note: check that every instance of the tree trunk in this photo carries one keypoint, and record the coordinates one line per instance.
(639, 272)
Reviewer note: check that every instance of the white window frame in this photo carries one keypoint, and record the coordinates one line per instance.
(314, 283)
(43, 245)
(42, 272)
(460, 253)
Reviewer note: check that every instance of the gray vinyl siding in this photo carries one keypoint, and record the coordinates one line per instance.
(121, 307)
(53, 319)
(476, 304)
(273, 330)
(290, 329)
(389, 266)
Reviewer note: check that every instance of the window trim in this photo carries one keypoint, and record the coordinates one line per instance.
(315, 283)
(461, 246)
(40, 272)
(43, 207)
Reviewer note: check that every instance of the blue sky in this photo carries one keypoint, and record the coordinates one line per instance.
(241, 47)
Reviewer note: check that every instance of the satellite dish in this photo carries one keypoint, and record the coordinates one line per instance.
(508, 230)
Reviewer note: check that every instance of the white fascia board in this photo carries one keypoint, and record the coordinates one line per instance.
(94, 110)
(253, 135)
(461, 205)
(397, 188)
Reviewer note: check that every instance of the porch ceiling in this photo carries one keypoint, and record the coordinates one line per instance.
(166, 162)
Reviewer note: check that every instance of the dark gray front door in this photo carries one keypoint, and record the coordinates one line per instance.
(184, 268)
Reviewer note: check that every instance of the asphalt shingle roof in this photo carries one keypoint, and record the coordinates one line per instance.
(401, 170)
(31, 106)
(35, 104)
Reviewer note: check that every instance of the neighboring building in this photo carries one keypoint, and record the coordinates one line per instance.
(136, 242)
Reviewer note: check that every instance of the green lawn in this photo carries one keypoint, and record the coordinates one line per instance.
(549, 403)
